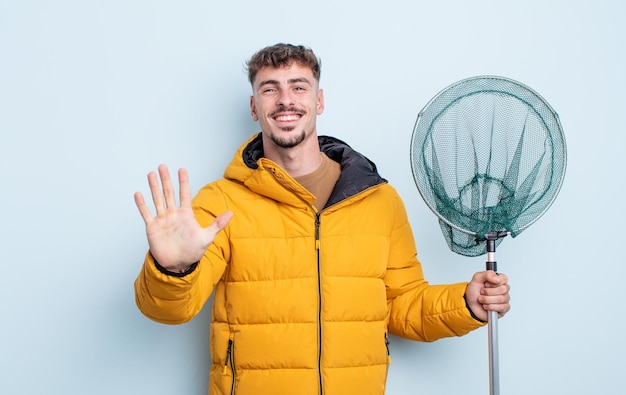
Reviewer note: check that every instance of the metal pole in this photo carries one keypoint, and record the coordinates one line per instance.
(492, 320)
(492, 326)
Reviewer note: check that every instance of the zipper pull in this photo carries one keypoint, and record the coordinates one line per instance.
(317, 230)
(228, 353)
(388, 353)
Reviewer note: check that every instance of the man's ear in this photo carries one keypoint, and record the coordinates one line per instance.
(320, 102)
(253, 113)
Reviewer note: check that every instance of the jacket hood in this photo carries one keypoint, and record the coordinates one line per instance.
(358, 173)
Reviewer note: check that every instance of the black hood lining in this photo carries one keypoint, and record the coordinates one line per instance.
(358, 173)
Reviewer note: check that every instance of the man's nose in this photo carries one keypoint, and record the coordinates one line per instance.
(285, 97)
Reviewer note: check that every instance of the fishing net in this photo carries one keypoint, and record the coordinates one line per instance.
(488, 155)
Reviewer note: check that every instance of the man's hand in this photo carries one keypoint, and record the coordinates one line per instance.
(488, 291)
(175, 238)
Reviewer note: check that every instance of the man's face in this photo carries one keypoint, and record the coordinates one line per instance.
(286, 101)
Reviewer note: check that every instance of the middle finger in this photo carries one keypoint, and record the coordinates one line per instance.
(168, 188)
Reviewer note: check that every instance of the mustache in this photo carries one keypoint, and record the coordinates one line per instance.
(282, 109)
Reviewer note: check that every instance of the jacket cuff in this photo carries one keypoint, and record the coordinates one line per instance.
(175, 274)
(470, 310)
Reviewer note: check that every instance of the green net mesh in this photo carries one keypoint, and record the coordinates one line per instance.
(488, 155)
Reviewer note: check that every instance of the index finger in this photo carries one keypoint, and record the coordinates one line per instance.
(499, 278)
(185, 191)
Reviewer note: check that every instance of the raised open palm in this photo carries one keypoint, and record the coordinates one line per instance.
(175, 238)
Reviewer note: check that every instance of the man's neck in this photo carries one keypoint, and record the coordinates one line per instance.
(300, 160)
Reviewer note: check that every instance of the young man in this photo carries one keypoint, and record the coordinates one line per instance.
(308, 250)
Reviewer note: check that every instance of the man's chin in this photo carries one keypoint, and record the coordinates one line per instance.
(288, 141)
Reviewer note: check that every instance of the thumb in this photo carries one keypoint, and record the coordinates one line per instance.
(482, 277)
(494, 279)
(222, 220)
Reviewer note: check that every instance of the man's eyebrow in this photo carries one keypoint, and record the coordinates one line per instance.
(298, 80)
(290, 81)
(268, 82)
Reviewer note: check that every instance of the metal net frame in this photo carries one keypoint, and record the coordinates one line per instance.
(488, 155)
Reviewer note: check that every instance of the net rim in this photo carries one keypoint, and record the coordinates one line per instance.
(559, 131)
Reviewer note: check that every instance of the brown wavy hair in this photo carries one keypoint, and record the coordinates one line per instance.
(283, 55)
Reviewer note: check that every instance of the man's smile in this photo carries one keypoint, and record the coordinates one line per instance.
(284, 114)
(287, 117)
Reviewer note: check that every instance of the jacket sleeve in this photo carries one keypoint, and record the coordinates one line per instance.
(418, 310)
(174, 299)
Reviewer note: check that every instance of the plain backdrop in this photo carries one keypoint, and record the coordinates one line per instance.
(95, 94)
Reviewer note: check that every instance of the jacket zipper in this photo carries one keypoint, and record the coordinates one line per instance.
(280, 179)
(230, 360)
(388, 352)
(388, 358)
(319, 302)
(319, 281)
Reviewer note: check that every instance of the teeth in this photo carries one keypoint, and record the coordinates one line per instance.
(283, 118)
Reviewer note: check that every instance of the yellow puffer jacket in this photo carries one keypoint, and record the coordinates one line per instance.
(304, 300)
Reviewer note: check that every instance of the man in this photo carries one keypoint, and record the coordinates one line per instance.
(308, 250)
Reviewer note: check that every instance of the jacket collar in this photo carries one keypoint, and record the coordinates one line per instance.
(250, 167)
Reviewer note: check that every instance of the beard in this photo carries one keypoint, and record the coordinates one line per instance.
(288, 142)
(292, 139)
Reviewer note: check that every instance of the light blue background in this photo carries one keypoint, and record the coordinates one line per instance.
(95, 94)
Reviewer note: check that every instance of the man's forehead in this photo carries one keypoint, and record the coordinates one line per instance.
(292, 72)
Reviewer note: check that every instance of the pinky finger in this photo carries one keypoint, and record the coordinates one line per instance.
(143, 208)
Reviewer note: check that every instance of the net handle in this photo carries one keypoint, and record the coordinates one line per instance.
(492, 317)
